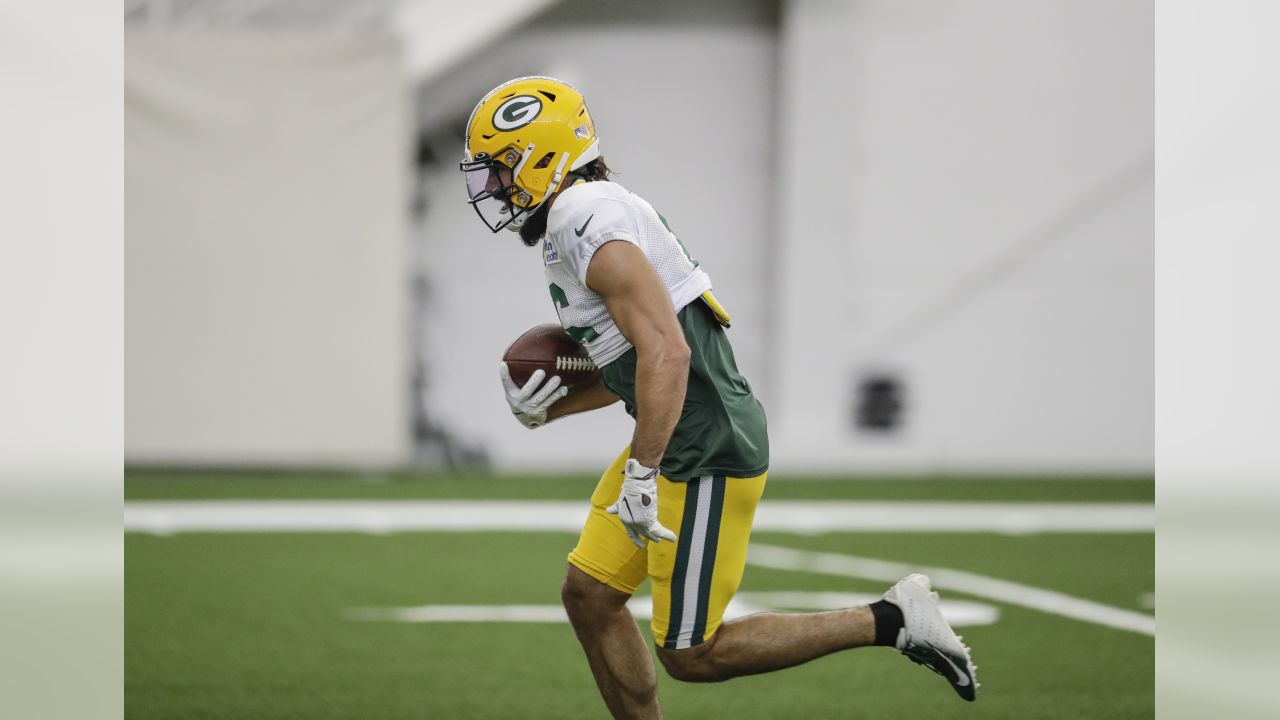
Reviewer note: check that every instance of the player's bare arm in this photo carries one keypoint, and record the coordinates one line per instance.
(585, 399)
(639, 304)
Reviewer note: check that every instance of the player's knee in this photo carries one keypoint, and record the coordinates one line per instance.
(573, 595)
(584, 596)
(693, 665)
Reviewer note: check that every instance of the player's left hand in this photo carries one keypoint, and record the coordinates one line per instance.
(530, 403)
(637, 505)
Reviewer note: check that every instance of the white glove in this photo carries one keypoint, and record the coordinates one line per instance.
(637, 505)
(530, 407)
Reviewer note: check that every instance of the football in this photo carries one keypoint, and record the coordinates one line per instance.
(549, 347)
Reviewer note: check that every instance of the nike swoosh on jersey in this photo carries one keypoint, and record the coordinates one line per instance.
(583, 229)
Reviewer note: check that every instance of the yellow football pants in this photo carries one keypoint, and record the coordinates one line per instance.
(693, 578)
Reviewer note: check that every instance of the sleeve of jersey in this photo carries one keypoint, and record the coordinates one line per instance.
(593, 226)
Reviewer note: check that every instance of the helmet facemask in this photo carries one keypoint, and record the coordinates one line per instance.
(493, 192)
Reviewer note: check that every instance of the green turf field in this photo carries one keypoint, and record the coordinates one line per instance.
(190, 485)
(257, 626)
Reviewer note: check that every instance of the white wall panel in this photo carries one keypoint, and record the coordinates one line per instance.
(265, 301)
(967, 202)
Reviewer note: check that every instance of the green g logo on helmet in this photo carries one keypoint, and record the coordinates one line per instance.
(516, 112)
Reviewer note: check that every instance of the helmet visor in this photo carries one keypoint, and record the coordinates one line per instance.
(489, 189)
(480, 181)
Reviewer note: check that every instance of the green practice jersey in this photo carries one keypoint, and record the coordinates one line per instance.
(722, 429)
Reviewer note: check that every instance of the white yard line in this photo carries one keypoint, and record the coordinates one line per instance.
(386, 516)
(1005, 591)
(958, 612)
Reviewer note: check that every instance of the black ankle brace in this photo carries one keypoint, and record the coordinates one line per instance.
(888, 622)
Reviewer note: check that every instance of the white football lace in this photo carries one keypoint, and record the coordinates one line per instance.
(574, 363)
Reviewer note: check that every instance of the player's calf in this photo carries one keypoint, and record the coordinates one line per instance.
(615, 650)
(768, 641)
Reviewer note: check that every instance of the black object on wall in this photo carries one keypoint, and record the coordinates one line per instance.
(879, 403)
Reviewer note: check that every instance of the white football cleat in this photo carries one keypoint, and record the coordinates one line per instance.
(927, 639)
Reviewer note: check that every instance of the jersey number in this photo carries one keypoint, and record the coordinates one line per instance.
(580, 335)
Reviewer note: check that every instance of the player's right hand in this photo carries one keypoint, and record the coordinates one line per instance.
(637, 505)
(530, 403)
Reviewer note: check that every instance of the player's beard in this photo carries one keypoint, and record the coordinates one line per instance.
(535, 227)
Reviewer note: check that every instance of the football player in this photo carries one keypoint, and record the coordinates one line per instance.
(678, 503)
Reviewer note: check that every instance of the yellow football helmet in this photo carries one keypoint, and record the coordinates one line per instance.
(523, 138)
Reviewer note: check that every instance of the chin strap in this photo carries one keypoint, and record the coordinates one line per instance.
(556, 177)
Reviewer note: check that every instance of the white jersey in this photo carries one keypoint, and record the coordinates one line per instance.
(583, 218)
